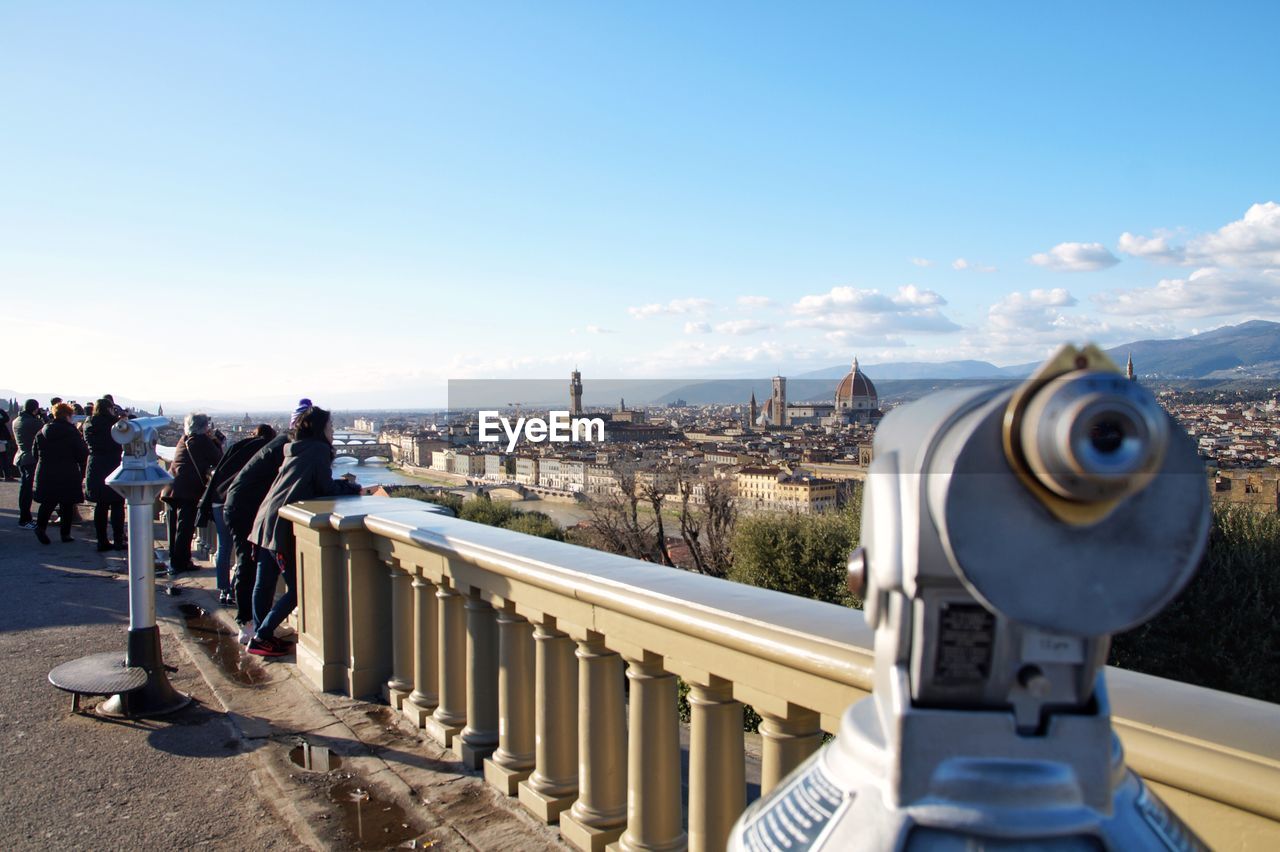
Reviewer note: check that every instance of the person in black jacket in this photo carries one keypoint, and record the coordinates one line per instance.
(213, 503)
(8, 448)
(61, 455)
(306, 474)
(244, 495)
(193, 459)
(25, 428)
(104, 457)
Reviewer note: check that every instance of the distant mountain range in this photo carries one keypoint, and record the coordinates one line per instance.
(1248, 350)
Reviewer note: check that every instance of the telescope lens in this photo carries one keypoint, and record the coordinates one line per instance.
(1088, 436)
(1106, 436)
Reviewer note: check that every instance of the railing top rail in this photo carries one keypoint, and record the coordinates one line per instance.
(820, 638)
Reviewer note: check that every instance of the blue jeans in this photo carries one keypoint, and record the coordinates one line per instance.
(222, 564)
(270, 566)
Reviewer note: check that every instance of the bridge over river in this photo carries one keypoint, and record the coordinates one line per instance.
(361, 446)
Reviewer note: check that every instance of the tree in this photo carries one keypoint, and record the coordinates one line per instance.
(616, 525)
(805, 555)
(1221, 631)
(707, 531)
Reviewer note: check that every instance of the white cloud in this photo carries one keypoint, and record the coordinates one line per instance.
(1038, 310)
(1249, 242)
(963, 264)
(1076, 257)
(1152, 248)
(753, 302)
(871, 313)
(697, 328)
(674, 307)
(742, 326)
(921, 261)
(1206, 292)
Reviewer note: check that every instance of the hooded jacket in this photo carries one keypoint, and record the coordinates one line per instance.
(306, 474)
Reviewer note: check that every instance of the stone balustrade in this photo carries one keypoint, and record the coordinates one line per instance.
(513, 651)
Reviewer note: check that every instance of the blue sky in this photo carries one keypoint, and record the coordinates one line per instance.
(357, 202)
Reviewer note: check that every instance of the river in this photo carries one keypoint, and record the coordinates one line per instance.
(370, 474)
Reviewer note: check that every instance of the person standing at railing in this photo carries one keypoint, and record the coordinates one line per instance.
(244, 496)
(8, 448)
(104, 457)
(213, 505)
(61, 456)
(193, 459)
(25, 428)
(307, 473)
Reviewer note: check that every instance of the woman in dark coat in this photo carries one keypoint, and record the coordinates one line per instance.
(193, 459)
(104, 457)
(307, 473)
(61, 455)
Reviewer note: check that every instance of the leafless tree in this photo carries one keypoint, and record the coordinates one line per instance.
(707, 531)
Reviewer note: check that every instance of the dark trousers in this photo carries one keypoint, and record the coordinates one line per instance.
(25, 490)
(182, 528)
(272, 566)
(66, 511)
(246, 575)
(113, 512)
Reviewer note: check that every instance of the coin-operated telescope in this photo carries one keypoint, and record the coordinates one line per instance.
(1007, 534)
(140, 479)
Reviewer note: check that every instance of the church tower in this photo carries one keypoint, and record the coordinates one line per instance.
(752, 413)
(778, 404)
(575, 393)
(1128, 370)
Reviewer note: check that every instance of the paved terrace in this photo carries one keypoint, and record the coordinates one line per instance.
(217, 774)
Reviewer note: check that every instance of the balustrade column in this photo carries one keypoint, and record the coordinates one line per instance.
(717, 780)
(401, 682)
(515, 757)
(426, 652)
(600, 814)
(554, 783)
(480, 736)
(451, 714)
(785, 743)
(653, 784)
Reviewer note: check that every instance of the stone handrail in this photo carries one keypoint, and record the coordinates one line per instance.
(512, 650)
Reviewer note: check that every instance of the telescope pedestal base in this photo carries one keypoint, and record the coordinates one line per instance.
(157, 697)
(978, 800)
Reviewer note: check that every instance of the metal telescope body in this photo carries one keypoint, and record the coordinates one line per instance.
(140, 479)
(1007, 533)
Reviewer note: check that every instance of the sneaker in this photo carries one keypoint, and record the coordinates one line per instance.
(268, 647)
(284, 631)
(29, 525)
(246, 632)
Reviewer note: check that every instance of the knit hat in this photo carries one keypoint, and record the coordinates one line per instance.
(303, 405)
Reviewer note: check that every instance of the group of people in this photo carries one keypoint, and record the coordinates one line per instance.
(240, 488)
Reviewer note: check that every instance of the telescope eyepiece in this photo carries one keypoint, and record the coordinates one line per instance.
(1092, 436)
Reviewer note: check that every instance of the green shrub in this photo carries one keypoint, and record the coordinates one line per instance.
(805, 555)
(1223, 630)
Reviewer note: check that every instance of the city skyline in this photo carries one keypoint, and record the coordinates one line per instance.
(323, 201)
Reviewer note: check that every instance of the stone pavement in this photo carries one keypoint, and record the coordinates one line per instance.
(218, 774)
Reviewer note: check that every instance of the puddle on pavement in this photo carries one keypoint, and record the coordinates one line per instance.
(314, 758)
(220, 645)
(374, 822)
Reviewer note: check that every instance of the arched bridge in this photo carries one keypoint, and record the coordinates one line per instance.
(363, 451)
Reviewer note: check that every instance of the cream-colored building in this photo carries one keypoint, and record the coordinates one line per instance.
(772, 489)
